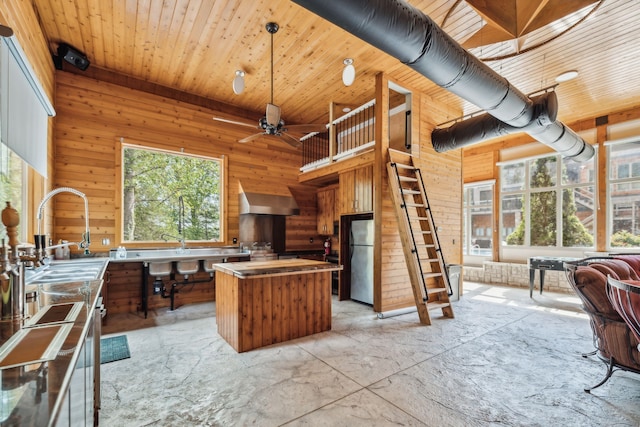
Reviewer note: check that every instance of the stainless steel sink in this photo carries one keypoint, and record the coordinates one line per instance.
(79, 270)
(160, 268)
(188, 267)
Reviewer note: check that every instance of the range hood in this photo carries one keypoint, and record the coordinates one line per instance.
(273, 202)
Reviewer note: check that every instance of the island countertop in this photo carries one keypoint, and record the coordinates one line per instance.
(280, 267)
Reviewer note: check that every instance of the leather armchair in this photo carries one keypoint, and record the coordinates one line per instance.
(614, 341)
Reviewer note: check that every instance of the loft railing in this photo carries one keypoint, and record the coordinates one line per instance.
(354, 133)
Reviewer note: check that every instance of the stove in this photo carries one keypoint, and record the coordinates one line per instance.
(261, 251)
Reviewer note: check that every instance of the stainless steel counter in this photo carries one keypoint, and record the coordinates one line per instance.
(34, 393)
(178, 254)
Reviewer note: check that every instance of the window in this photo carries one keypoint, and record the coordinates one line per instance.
(624, 193)
(548, 202)
(478, 218)
(12, 187)
(170, 196)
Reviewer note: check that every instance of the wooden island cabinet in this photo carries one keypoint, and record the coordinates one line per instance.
(259, 303)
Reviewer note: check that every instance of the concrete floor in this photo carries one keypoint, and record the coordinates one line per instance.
(504, 360)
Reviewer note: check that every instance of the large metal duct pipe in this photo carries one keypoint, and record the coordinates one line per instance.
(409, 35)
(483, 127)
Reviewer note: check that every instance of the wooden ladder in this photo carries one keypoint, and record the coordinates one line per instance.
(421, 247)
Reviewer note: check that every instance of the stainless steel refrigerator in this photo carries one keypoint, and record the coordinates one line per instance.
(361, 257)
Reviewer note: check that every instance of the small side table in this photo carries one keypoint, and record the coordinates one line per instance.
(544, 263)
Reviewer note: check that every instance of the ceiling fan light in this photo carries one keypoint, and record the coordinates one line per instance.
(238, 82)
(349, 72)
(566, 76)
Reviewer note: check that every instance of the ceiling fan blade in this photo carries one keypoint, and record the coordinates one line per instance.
(250, 138)
(294, 142)
(235, 122)
(306, 128)
(273, 114)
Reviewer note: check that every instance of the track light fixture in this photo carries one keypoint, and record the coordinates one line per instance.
(238, 82)
(349, 72)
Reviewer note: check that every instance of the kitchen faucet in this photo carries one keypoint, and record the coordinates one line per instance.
(180, 239)
(165, 236)
(86, 239)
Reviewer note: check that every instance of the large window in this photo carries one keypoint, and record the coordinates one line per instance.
(624, 193)
(170, 196)
(547, 202)
(478, 219)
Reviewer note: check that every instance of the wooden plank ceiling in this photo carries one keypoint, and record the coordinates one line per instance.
(195, 46)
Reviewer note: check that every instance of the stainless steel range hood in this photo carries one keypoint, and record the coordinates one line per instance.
(276, 202)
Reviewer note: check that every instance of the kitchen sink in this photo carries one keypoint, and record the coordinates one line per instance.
(80, 270)
(188, 267)
(160, 268)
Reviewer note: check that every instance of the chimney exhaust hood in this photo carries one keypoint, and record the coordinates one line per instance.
(276, 202)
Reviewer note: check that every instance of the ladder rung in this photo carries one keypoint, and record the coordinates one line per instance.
(408, 191)
(415, 205)
(437, 290)
(407, 178)
(419, 218)
(403, 166)
(426, 232)
(425, 245)
(431, 260)
(430, 275)
(436, 305)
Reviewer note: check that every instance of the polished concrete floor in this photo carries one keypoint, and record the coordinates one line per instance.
(505, 360)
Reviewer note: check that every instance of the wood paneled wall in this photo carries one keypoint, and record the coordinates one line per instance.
(442, 174)
(95, 116)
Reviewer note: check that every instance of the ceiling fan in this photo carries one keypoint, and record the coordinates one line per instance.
(272, 123)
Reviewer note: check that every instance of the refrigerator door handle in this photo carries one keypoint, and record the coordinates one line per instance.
(350, 246)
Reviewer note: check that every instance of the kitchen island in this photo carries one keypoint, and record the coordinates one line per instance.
(259, 303)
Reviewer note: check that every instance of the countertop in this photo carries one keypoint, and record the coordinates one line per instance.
(280, 267)
(33, 394)
(176, 254)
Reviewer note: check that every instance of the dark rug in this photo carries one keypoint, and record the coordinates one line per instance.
(114, 348)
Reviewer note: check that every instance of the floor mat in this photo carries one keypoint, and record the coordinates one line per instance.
(114, 348)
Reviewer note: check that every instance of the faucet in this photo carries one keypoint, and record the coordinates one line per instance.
(86, 239)
(180, 239)
(165, 236)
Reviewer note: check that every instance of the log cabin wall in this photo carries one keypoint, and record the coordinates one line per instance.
(94, 116)
(442, 173)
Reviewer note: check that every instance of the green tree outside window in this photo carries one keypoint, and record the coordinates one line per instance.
(153, 184)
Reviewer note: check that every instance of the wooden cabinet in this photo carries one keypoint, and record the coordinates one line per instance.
(356, 190)
(326, 210)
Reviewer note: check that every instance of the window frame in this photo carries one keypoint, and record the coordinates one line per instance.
(610, 182)
(559, 188)
(223, 208)
(470, 258)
